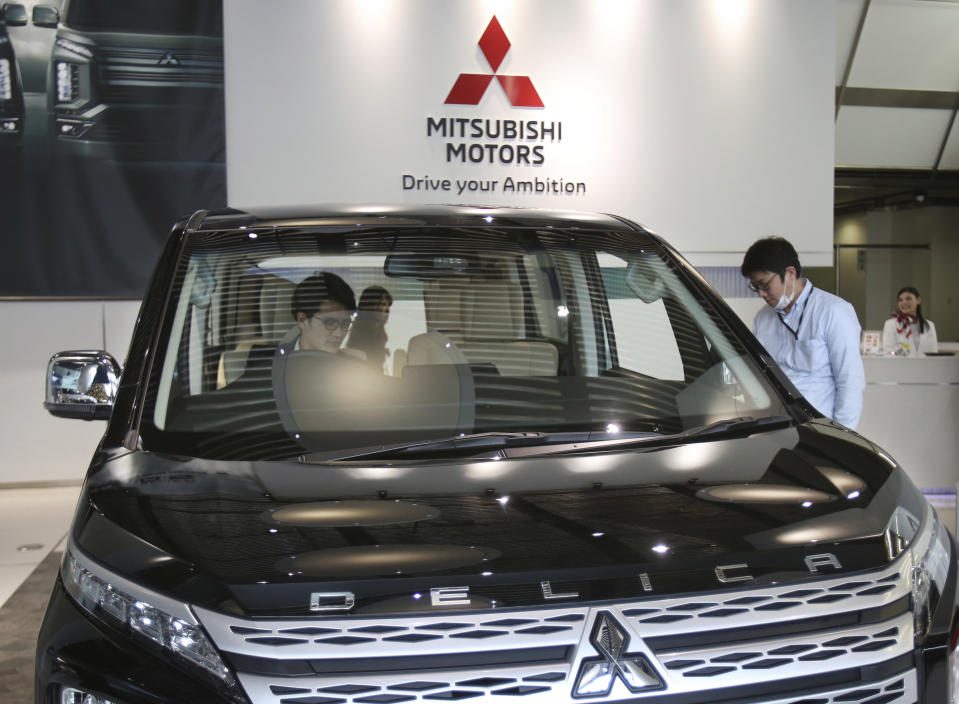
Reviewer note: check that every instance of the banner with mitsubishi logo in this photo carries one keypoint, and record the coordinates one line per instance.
(709, 121)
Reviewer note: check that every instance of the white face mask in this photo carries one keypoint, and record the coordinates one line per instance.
(784, 300)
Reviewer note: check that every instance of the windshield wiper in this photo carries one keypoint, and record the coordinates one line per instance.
(730, 427)
(456, 444)
(466, 445)
(513, 445)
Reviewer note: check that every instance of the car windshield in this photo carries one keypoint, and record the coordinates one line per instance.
(537, 335)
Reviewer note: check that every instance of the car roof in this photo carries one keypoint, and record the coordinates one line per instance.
(403, 216)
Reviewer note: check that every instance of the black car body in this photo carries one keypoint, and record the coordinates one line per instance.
(577, 477)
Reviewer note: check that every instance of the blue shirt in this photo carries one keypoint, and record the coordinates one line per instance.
(822, 358)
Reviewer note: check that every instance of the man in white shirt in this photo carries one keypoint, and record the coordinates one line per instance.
(813, 335)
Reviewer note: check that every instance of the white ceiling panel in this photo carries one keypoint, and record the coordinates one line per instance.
(889, 137)
(908, 44)
(950, 157)
(847, 20)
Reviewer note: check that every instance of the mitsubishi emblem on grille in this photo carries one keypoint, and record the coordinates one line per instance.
(598, 675)
(169, 59)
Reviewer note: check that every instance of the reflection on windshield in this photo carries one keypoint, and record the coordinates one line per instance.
(287, 348)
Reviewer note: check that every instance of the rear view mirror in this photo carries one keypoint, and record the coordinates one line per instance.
(429, 266)
(81, 385)
(644, 280)
(46, 16)
(14, 14)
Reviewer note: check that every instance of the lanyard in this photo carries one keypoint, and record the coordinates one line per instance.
(801, 316)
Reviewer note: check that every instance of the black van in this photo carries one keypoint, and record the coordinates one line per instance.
(415, 454)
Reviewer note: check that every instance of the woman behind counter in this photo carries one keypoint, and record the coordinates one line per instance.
(907, 333)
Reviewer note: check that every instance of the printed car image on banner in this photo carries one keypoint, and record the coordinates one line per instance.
(111, 127)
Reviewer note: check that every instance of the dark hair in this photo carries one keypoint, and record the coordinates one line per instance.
(373, 296)
(770, 254)
(312, 292)
(919, 319)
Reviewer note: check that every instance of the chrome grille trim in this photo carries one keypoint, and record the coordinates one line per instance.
(530, 684)
(905, 685)
(465, 632)
(717, 611)
(732, 664)
(899, 689)
(394, 636)
(761, 648)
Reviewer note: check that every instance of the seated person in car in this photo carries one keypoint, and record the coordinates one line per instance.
(369, 328)
(323, 307)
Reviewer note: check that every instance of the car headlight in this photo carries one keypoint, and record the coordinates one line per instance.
(930, 553)
(143, 614)
(928, 545)
(6, 80)
(67, 82)
(74, 47)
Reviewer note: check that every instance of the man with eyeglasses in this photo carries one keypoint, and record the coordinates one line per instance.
(323, 306)
(813, 335)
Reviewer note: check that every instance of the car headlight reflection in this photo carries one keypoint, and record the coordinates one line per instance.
(101, 596)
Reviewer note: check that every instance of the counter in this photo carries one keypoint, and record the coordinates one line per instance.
(911, 410)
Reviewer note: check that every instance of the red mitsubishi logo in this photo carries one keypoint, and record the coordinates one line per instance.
(470, 87)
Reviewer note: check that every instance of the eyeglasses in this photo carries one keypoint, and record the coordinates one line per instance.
(762, 285)
(332, 324)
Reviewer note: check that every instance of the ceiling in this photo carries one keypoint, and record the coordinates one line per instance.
(897, 96)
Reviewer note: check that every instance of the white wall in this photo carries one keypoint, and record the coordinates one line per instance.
(709, 121)
(37, 447)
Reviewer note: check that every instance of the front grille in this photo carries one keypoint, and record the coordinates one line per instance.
(545, 688)
(394, 637)
(814, 644)
(198, 124)
(185, 96)
(140, 76)
(161, 66)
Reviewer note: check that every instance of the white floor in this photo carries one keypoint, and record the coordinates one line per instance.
(32, 523)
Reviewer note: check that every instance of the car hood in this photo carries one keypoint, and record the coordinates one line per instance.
(259, 538)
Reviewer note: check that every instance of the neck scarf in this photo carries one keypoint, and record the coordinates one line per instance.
(903, 323)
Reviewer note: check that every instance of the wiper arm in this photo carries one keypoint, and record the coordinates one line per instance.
(509, 444)
(455, 444)
(534, 444)
(730, 426)
(738, 425)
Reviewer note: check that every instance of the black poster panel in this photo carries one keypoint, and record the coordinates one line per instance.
(111, 127)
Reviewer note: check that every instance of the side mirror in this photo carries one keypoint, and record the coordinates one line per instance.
(46, 16)
(82, 385)
(14, 14)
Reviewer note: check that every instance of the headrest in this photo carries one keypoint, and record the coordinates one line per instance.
(492, 309)
(275, 316)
